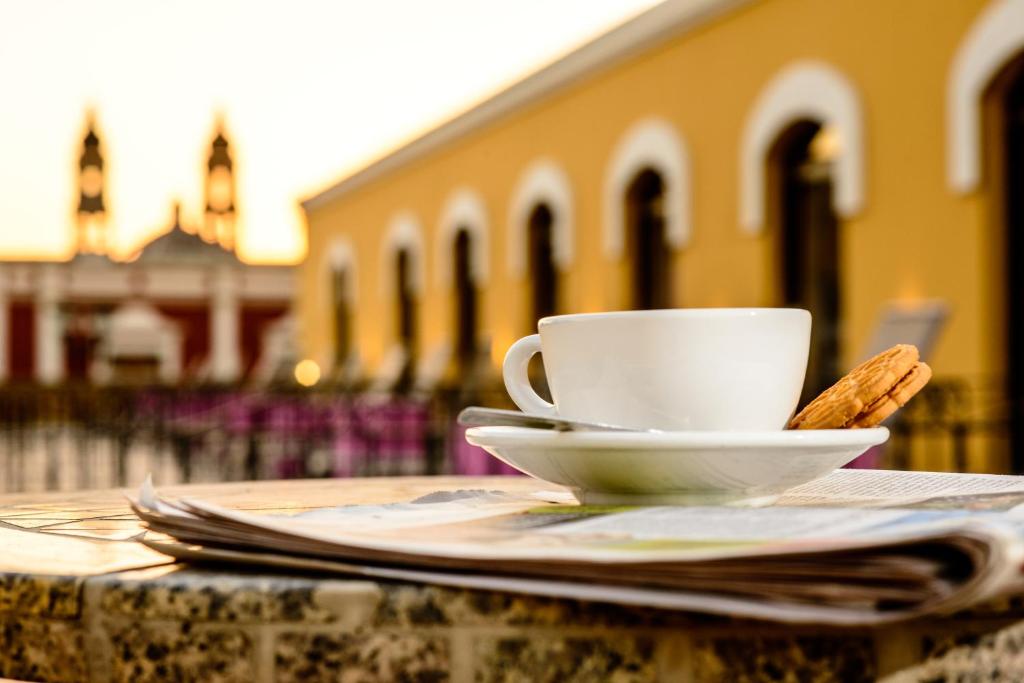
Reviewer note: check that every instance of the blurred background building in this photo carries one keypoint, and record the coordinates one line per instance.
(861, 159)
(108, 362)
(858, 158)
(183, 308)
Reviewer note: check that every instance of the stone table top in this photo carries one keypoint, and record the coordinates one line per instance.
(81, 601)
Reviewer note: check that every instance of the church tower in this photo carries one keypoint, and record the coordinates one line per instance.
(219, 223)
(92, 213)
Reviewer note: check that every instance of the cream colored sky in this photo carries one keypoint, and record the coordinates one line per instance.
(309, 90)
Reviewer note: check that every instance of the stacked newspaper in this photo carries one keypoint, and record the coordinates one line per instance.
(857, 547)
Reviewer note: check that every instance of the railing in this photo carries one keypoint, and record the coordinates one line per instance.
(955, 424)
(87, 437)
(70, 437)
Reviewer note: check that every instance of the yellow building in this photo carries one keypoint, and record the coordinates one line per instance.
(840, 155)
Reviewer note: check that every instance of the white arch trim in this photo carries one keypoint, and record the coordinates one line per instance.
(996, 35)
(404, 231)
(464, 209)
(542, 182)
(341, 256)
(803, 90)
(649, 143)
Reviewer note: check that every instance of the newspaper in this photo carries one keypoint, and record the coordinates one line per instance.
(856, 547)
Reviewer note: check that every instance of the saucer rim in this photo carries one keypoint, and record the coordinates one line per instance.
(502, 435)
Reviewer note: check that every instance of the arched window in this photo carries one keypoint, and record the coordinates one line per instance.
(543, 273)
(401, 287)
(803, 91)
(647, 250)
(802, 171)
(991, 44)
(465, 298)
(543, 182)
(342, 313)
(649, 144)
(1003, 107)
(462, 267)
(801, 179)
(540, 238)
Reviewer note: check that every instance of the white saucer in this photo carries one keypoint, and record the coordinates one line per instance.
(644, 468)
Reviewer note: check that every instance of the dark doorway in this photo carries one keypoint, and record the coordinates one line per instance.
(543, 275)
(78, 353)
(80, 338)
(649, 256)
(465, 301)
(808, 243)
(342, 316)
(257, 318)
(21, 352)
(543, 284)
(1007, 95)
(194, 323)
(405, 301)
(405, 315)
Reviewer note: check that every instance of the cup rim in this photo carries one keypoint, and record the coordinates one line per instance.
(675, 313)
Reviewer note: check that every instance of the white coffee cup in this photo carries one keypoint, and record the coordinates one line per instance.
(732, 369)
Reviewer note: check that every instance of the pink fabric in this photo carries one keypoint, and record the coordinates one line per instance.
(870, 460)
(345, 445)
(472, 460)
(361, 435)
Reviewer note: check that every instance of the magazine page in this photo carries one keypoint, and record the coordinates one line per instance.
(880, 562)
(495, 525)
(855, 547)
(872, 585)
(895, 488)
(532, 530)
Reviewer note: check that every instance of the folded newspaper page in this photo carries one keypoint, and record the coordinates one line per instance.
(857, 547)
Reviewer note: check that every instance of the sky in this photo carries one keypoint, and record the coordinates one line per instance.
(309, 91)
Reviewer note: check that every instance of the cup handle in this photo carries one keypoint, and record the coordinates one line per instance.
(517, 381)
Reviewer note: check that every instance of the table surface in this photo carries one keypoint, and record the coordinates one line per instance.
(59, 522)
(80, 601)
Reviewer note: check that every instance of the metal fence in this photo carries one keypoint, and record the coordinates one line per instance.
(955, 424)
(66, 438)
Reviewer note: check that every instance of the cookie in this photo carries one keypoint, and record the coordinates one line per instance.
(897, 397)
(839, 405)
